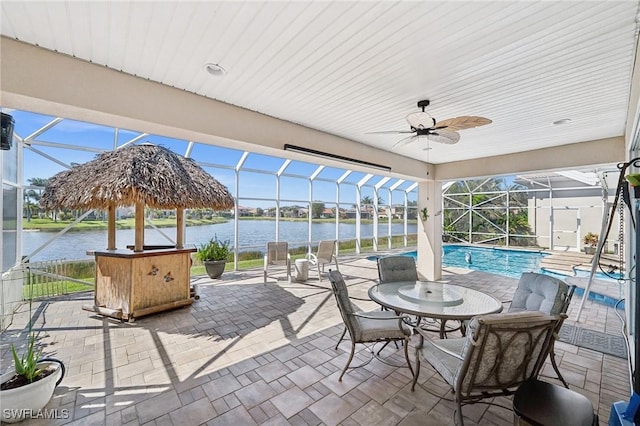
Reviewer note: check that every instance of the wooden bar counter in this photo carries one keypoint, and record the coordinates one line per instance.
(132, 284)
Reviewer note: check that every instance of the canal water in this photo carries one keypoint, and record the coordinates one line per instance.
(252, 235)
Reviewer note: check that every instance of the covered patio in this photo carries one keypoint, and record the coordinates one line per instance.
(556, 86)
(248, 353)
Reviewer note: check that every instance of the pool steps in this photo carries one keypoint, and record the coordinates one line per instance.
(565, 263)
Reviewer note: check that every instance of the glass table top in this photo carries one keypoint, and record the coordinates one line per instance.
(434, 299)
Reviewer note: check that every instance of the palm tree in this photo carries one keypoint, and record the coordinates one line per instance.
(366, 200)
(41, 182)
(32, 196)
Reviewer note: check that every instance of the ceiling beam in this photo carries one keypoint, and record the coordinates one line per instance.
(592, 154)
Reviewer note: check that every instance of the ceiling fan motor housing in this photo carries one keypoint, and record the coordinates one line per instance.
(422, 132)
(423, 104)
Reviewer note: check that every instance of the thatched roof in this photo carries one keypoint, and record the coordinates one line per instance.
(144, 173)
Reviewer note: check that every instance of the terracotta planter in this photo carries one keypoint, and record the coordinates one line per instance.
(20, 403)
(214, 268)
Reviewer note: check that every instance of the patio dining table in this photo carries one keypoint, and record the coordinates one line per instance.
(435, 300)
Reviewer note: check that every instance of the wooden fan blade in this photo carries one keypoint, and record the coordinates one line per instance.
(404, 141)
(389, 132)
(445, 137)
(461, 123)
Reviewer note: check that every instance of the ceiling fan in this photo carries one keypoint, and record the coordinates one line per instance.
(424, 126)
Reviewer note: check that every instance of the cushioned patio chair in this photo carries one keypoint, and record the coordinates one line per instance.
(544, 293)
(367, 327)
(498, 354)
(326, 254)
(397, 268)
(277, 253)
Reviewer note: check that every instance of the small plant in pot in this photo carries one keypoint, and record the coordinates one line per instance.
(213, 255)
(27, 390)
(590, 241)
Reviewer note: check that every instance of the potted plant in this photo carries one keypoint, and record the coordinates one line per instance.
(590, 241)
(213, 255)
(633, 179)
(27, 390)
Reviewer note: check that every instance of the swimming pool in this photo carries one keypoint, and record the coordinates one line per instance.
(510, 263)
(506, 262)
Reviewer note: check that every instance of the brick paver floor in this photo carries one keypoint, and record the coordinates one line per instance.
(246, 353)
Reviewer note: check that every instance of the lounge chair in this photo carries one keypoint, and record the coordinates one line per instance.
(277, 253)
(326, 254)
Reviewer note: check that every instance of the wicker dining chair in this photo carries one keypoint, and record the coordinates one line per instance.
(367, 327)
(544, 293)
(498, 353)
(397, 268)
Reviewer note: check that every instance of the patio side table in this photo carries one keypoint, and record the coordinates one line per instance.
(546, 404)
(302, 270)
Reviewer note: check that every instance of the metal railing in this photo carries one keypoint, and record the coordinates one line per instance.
(55, 278)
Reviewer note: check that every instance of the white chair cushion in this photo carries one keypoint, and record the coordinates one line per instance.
(384, 328)
(539, 292)
(444, 356)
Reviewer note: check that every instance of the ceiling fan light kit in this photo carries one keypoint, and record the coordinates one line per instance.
(421, 120)
(424, 126)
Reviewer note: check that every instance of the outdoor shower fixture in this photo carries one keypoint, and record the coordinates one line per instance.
(628, 413)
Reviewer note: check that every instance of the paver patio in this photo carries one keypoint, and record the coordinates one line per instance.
(246, 353)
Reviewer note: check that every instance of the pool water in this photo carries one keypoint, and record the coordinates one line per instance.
(510, 263)
(506, 262)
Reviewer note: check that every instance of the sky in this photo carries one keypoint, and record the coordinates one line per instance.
(254, 189)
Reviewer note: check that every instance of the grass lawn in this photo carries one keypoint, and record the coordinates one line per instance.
(45, 224)
(56, 288)
(84, 270)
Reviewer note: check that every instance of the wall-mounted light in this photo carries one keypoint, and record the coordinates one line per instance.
(7, 131)
(327, 155)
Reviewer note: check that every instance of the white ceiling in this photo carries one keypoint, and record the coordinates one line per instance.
(349, 68)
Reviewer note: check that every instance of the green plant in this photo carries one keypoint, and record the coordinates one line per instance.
(590, 239)
(448, 228)
(27, 365)
(214, 249)
(633, 179)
